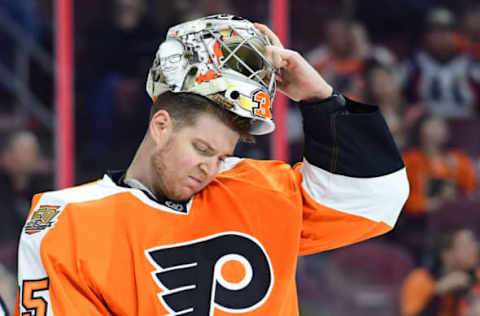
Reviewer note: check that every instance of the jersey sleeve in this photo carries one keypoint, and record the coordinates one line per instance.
(353, 180)
(51, 280)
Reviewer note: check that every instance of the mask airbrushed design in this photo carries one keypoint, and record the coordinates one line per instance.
(221, 57)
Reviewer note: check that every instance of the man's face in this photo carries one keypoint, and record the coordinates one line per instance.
(434, 131)
(24, 154)
(339, 37)
(465, 250)
(383, 84)
(190, 157)
(440, 43)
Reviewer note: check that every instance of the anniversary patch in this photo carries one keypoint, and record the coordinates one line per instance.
(41, 219)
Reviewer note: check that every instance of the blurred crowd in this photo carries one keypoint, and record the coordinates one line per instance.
(418, 60)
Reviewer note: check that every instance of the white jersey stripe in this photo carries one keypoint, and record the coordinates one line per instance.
(229, 163)
(379, 198)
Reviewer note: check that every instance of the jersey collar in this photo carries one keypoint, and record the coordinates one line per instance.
(118, 177)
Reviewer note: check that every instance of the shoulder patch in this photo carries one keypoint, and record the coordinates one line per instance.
(42, 218)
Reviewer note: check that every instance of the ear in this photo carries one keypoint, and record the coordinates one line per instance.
(160, 126)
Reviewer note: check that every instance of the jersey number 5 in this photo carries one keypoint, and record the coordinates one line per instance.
(37, 305)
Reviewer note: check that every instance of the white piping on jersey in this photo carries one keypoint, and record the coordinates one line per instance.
(106, 187)
(378, 198)
(139, 194)
(136, 184)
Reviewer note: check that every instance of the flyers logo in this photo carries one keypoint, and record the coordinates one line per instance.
(230, 271)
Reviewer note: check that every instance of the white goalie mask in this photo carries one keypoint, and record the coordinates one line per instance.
(221, 57)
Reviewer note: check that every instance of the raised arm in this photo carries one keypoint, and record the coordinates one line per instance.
(353, 179)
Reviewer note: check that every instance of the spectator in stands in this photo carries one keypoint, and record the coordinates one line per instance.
(468, 38)
(470, 304)
(365, 49)
(114, 74)
(439, 290)
(437, 173)
(438, 75)
(382, 88)
(342, 59)
(336, 60)
(20, 163)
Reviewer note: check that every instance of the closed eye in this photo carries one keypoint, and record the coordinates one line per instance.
(202, 149)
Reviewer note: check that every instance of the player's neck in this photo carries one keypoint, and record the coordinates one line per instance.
(140, 167)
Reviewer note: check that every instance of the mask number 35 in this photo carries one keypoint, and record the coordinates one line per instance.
(263, 107)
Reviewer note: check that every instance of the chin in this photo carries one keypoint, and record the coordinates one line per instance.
(180, 196)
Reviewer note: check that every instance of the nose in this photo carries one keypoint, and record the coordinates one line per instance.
(210, 167)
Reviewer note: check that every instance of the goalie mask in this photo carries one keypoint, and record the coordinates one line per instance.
(221, 57)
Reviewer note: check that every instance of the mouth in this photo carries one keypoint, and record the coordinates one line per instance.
(198, 181)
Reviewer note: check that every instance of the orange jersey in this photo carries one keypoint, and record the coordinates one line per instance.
(107, 249)
(466, 45)
(418, 295)
(456, 167)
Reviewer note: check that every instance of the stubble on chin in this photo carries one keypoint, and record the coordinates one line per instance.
(162, 186)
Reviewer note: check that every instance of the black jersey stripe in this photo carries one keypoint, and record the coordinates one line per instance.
(349, 138)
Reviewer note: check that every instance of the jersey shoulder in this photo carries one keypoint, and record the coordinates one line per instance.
(83, 193)
(267, 174)
(46, 207)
